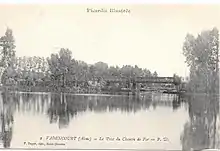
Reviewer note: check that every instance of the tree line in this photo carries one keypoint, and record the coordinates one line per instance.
(59, 69)
(201, 54)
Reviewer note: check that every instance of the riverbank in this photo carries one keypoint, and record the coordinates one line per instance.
(41, 89)
(74, 90)
(114, 92)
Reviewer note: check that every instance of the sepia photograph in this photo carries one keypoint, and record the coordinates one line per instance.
(109, 77)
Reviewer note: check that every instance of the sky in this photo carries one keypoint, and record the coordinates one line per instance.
(150, 36)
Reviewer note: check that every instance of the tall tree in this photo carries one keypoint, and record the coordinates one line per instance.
(7, 42)
(201, 54)
(61, 65)
(8, 48)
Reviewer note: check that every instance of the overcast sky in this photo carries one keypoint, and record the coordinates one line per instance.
(151, 36)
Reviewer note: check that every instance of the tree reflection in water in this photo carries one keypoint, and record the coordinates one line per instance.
(200, 131)
(62, 108)
(20, 102)
(7, 120)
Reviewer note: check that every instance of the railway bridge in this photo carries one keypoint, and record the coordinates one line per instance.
(134, 83)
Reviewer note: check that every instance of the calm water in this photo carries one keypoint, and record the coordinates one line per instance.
(160, 121)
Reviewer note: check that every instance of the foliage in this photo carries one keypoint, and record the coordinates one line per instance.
(201, 54)
(64, 67)
(7, 54)
(7, 43)
(61, 70)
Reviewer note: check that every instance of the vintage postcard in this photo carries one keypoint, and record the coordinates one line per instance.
(109, 77)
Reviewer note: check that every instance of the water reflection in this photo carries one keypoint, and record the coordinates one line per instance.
(201, 132)
(7, 120)
(62, 108)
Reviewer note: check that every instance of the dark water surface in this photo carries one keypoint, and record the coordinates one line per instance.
(161, 121)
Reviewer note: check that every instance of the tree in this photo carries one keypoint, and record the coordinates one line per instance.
(113, 72)
(127, 71)
(8, 52)
(61, 65)
(177, 79)
(147, 73)
(101, 69)
(8, 48)
(201, 54)
(155, 74)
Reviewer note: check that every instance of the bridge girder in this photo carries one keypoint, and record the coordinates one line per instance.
(164, 80)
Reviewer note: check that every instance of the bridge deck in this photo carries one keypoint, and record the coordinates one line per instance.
(145, 80)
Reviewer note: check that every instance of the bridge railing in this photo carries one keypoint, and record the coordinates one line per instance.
(145, 80)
